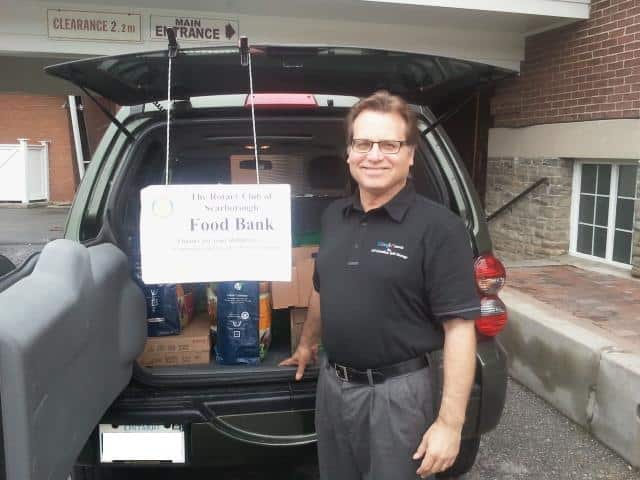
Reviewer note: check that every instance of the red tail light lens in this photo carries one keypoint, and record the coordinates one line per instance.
(490, 278)
(490, 274)
(493, 316)
(281, 100)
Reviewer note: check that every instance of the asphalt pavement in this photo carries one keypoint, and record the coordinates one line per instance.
(24, 231)
(533, 440)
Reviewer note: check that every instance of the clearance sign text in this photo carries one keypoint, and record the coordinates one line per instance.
(73, 24)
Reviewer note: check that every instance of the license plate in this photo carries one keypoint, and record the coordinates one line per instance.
(142, 443)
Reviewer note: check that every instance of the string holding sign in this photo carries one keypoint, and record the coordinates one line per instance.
(172, 52)
(245, 61)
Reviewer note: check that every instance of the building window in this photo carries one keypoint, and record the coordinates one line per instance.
(603, 204)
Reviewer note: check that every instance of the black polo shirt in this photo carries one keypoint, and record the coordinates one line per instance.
(387, 278)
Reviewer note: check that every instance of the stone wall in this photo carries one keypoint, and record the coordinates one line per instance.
(538, 225)
(635, 254)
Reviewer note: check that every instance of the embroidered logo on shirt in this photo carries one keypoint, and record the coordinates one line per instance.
(391, 249)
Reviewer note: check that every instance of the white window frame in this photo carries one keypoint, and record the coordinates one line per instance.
(613, 194)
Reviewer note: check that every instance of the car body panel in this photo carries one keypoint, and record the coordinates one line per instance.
(69, 333)
(281, 410)
(493, 371)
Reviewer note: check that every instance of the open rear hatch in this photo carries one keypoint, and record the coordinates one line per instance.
(142, 77)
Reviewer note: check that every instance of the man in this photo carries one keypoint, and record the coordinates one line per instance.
(393, 281)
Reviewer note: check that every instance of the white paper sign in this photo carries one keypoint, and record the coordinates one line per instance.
(195, 29)
(73, 24)
(202, 233)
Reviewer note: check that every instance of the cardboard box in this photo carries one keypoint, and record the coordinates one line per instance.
(297, 317)
(296, 293)
(191, 346)
(285, 294)
(173, 359)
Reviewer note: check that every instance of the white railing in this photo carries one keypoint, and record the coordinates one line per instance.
(24, 172)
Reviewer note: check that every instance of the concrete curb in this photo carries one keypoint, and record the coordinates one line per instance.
(616, 413)
(585, 375)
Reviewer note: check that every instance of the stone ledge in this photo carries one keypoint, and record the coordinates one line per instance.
(587, 376)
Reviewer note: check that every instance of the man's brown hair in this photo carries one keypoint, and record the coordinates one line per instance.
(383, 102)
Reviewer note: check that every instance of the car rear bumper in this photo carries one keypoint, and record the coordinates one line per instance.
(206, 445)
(277, 421)
(223, 426)
(494, 376)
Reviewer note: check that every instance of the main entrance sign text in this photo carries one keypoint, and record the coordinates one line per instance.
(195, 29)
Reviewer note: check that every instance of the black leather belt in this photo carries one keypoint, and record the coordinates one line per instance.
(377, 375)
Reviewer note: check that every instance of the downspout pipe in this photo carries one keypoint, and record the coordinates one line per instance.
(77, 141)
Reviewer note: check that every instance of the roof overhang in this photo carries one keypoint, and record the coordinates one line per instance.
(484, 31)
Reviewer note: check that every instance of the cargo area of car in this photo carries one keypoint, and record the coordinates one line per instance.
(279, 350)
(303, 149)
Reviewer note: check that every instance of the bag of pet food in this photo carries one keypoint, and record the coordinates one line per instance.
(212, 306)
(186, 305)
(238, 319)
(212, 309)
(163, 311)
(265, 318)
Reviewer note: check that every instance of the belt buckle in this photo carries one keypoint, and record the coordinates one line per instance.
(341, 369)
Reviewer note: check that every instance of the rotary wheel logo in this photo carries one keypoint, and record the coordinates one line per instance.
(162, 207)
(237, 286)
(244, 315)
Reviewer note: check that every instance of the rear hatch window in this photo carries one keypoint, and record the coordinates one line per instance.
(142, 77)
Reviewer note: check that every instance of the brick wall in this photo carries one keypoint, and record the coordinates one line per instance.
(589, 70)
(538, 225)
(96, 122)
(41, 117)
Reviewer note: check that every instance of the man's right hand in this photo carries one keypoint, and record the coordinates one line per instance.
(301, 357)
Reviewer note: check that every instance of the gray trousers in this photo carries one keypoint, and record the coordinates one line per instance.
(370, 432)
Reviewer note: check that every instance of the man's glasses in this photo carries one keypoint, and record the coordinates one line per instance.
(362, 145)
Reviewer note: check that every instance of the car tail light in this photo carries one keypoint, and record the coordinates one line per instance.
(490, 278)
(490, 274)
(493, 316)
(281, 100)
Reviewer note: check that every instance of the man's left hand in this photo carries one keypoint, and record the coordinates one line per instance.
(438, 449)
